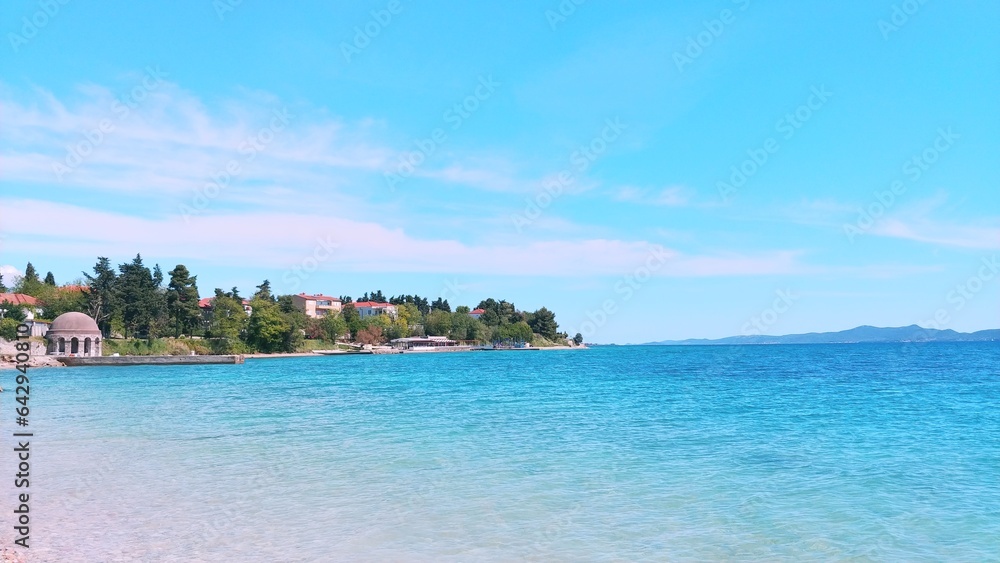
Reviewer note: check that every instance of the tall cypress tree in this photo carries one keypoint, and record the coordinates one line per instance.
(182, 300)
(142, 302)
(29, 284)
(102, 294)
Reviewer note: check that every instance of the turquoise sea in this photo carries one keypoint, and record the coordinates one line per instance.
(823, 452)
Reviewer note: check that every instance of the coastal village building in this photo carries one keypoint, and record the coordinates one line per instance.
(205, 304)
(423, 343)
(73, 334)
(476, 313)
(316, 306)
(30, 305)
(372, 308)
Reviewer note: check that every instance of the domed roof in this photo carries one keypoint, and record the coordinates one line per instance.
(74, 322)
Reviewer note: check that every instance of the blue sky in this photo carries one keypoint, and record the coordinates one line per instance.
(586, 157)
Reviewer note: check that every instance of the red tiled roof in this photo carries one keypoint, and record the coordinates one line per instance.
(317, 297)
(477, 311)
(74, 288)
(18, 299)
(206, 302)
(372, 304)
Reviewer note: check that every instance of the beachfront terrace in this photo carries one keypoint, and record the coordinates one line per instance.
(425, 342)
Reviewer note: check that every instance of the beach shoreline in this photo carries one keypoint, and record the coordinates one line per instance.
(39, 359)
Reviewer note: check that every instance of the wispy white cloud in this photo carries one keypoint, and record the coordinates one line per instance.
(363, 246)
(920, 221)
(938, 233)
(170, 142)
(674, 196)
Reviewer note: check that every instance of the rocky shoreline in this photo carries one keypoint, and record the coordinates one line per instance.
(38, 359)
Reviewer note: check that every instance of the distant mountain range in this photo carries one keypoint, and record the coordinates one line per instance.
(912, 333)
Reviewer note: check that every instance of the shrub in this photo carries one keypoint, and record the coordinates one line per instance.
(8, 329)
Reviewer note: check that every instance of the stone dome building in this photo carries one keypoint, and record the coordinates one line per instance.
(73, 334)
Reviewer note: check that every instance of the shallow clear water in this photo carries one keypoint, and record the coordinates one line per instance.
(887, 452)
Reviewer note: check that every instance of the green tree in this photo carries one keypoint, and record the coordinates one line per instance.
(8, 328)
(440, 304)
(182, 301)
(490, 318)
(286, 304)
(398, 328)
(29, 284)
(297, 322)
(143, 304)
(543, 322)
(50, 280)
(3, 288)
(464, 327)
(462, 309)
(267, 330)
(334, 326)
(461, 325)
(409, 313)
(352, 318)
(437, 323)
(64, 300)
(9, 310)
(263, 292)
(102, 300)
(228, 319)
(518, 332)
(578, 339)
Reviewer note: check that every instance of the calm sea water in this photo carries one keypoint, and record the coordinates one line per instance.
(884, 452)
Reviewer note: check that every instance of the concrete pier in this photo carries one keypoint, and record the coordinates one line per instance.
(150, 360)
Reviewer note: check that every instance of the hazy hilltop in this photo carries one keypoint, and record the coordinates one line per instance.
(912, 333)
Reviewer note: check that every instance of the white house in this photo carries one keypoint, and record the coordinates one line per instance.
(28, 304)
(372, 308)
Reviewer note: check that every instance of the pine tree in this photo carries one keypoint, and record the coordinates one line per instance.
(543, 322)
(142, 301)
(182, 300)
(29, 284)
(264, 291)
(102, 294)
(50, 279)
